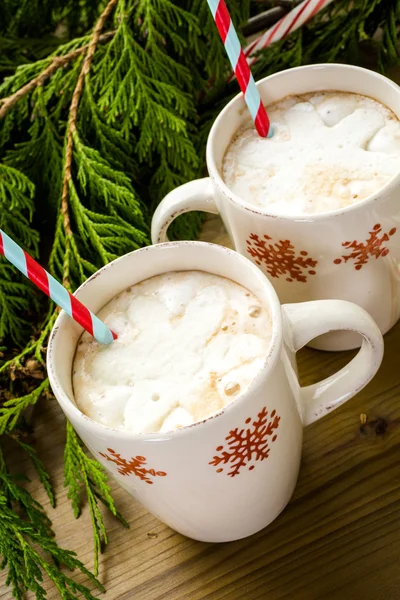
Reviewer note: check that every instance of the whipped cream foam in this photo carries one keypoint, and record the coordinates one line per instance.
(329, 150)
(188, 344)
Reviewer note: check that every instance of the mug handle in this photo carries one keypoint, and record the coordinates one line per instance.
(195, 195)
(307, 320)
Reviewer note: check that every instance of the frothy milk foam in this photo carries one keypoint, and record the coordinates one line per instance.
(188, 344)
(329, 150)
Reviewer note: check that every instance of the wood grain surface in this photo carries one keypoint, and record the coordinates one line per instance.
(338, 539)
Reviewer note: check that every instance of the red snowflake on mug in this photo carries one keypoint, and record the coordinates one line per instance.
(362, 251)
(135, 466)
(247, 444)
(280, 258)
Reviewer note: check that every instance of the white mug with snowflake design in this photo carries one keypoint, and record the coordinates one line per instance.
(352, 253)
(231, 474)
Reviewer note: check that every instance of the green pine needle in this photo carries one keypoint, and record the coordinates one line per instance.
(24, 527)
(84, 473)
(12, 410)
(43, 475)
(16, 210)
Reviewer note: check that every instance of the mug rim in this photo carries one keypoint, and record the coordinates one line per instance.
(240, 202)
(63, 319)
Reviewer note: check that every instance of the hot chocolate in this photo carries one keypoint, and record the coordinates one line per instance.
(188, 344)
(329, 150)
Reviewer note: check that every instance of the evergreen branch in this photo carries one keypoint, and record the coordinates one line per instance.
(160, 17)
(82, 472)
(40, 157)
(71, 127)
(43, 475)
(107, 139)
(11, 410)
(140, 97)
(35, 347)
(22, 532)
(16, 207)
(29, 574)
(16, 211)
(114, 219)
(13, 492)
(56, 63)
(46, 329)
(65, 257)
(15, 300)
(19, 50)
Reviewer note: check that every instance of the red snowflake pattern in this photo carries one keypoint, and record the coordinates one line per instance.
(362, 251)
(247, 444)
(280, 258)
(135, 466)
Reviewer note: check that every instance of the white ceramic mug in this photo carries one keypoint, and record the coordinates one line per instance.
(351, 253)
(230, 475)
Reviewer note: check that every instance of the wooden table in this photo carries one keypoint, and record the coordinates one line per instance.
(338, 539)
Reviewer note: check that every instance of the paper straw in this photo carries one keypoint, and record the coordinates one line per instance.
(289, 23)
(50, 286)
(239, 64)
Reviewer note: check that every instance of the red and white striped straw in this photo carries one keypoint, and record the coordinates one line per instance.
(289, 23)
(239, 64)
(50, 286)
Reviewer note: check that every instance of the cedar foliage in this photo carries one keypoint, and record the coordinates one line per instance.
(105, 106)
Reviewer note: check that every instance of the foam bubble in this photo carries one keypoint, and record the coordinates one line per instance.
(232, 388)
(254, 311)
